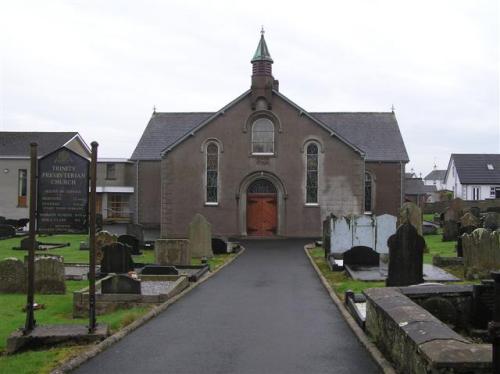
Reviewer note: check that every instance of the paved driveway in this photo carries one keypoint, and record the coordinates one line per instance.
(266, 313)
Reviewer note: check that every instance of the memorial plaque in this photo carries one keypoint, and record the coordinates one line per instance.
(63, 193)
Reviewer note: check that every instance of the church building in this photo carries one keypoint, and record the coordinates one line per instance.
(264, 166)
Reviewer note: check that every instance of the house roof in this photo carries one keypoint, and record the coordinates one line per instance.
(436, 175)
(473, 168)
(17, 144)
(376, 134)
(416, 186)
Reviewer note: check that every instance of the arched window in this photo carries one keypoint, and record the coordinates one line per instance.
(212, 176)
(368, 192)
(312, 174)
(263, 137)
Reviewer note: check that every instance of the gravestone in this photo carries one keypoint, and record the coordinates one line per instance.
(475, 211)
(200, 237)
(361, 256)
(7, 231)
(116, 259)
(385, 227)
(406, 256)
(469, 220)
(468, 223)
(429, 228)
(122, 284)
(341, 235)
(26, 244)
(49, 274)
(12, 276)
(326, 232)
(132, 241)
(411, 213)
(172, 252)
(219, 246)
(103, 238)
(481, 253)
(491, 221)
(159, 270)
(457, 205)
(450, 230)
(136, 230)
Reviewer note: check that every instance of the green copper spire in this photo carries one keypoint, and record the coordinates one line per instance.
(262, 53)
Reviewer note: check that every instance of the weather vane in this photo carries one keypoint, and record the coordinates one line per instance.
(154, 109)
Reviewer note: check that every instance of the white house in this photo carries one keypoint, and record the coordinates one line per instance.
(473, 176)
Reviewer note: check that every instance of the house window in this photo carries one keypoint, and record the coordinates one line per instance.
(263, 137)
(110, 171)
(464, 192)
(492, 192)
(368, 192)
(118, 206)
(212, 175)
(476, 193)
(22, 188)
(312, 174)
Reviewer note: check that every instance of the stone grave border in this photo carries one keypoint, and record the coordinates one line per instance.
(75, 361)
(372, 349)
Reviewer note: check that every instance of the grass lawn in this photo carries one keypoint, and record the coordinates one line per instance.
(58, 308)
(438, 248)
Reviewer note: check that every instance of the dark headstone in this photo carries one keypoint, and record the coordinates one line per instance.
(136, 230)
(26, 244)
(483, 300)
(121, 284)
(326, 236)
(159, 270)
(475, 211)
(406, 257)
(491, 221)
(361, 256)
(450, 230)
(7, 231)
(132, 241)
(116, 259)
(219, 246)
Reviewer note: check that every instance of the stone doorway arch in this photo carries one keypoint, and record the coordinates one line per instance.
(243, 195)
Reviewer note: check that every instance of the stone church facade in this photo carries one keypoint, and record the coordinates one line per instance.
(263, 166)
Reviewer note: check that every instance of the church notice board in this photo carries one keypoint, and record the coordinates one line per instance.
(63, 193)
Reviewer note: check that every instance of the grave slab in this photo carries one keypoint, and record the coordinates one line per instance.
(372, 273)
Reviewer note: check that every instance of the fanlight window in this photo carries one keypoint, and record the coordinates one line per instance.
(312, 174)
(263, 136)
(212, 172)
(262, 186)
(368, 192)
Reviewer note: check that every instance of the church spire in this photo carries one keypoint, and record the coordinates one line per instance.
(263, 82)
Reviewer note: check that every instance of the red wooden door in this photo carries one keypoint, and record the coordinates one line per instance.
(262, 217)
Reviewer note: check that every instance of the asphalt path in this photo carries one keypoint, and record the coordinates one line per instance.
(265, 313)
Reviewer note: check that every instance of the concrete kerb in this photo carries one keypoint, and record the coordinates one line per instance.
(377, 356)
(81, 358)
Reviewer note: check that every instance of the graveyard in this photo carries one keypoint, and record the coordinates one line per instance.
(57, 306)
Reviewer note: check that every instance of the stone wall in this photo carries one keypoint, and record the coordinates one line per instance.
(441, 206)
(417, 342)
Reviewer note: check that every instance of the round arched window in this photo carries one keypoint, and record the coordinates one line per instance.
(312, 174)
(263, 136)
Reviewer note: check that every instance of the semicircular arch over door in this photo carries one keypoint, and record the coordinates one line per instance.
(262, 208)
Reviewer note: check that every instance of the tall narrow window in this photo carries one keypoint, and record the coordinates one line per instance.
(368, 192)
(212, 172)
(312, 174)
(263, 137)
(22, 188)
(476, 193)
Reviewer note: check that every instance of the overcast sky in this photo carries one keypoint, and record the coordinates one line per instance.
(99, 67)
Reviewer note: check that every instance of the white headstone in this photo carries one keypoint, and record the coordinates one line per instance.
(386, 226)
(363, 233)
(341, 235)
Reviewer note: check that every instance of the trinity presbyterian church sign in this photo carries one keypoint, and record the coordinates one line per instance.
(63, 193)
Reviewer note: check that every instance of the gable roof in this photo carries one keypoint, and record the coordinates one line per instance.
(473, 168)
(374, 135)
(416, 186)
(17, 144)
(436, 175)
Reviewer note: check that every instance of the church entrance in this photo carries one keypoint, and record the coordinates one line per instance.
(262, 208)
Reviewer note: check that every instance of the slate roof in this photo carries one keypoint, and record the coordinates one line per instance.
(18, 143)
(416, 186)
(436, 175)
(473, 169)
(377, 134)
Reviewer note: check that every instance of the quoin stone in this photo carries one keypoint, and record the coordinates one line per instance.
(200, 237)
